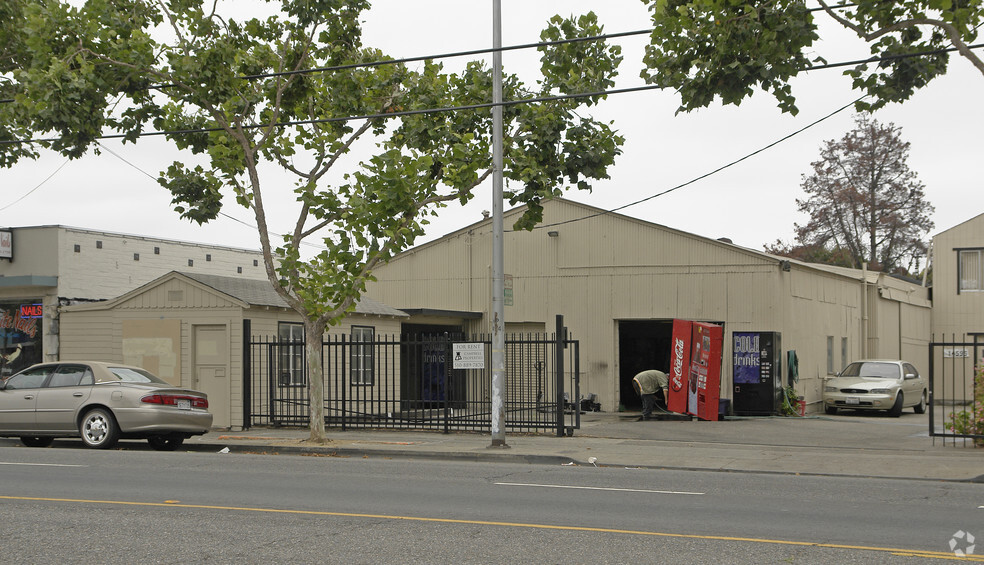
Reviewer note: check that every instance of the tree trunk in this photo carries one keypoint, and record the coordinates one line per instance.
(314, 332)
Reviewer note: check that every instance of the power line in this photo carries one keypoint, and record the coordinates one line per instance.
(484, 105)
(452, 54)
(39, 185)
(152, 177)
(715, 171)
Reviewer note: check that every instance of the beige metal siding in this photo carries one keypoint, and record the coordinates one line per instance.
(607, 267)
(956, 314)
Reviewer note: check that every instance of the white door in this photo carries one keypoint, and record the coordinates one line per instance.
(210, 371)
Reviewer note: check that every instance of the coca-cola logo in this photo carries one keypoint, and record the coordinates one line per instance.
(678, 349)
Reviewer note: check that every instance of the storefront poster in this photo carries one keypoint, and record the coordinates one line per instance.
(20, 336)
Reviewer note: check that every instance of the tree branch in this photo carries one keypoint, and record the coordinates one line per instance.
(952, 32)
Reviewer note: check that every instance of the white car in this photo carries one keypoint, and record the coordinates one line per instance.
(101, 403)
(876, 384)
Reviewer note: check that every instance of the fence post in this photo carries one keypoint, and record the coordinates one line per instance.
(447, 381)
(932, 387)
(342, 378)
(247, 376)
(559, 352)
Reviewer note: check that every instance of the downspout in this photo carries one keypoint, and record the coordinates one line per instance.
(929, 262)
(864, 310)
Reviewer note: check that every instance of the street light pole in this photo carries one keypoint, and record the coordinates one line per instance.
(498, 263)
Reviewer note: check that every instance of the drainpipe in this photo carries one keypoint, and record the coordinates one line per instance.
(864, 310)
(929, 261)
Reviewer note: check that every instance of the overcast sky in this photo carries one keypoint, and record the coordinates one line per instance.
(753, 202)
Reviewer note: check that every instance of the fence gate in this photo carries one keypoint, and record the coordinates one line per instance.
(410, 382)
(956, 383)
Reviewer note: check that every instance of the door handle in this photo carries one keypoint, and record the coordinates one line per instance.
(77, 394)
(28, 396)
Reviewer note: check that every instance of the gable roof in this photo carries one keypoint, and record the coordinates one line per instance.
(248, 292)
(259, 292)
(590, 211)
(976, 218)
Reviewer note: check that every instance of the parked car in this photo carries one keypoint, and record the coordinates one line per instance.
(101, 403)
(876, 384)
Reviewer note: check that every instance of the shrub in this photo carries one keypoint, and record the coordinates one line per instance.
(971, 422)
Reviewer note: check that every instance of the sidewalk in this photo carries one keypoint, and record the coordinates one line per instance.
(858, 445)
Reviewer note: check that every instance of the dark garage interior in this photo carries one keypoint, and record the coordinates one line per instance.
(642, 344)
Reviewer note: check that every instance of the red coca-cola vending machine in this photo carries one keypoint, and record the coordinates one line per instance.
(695, 369)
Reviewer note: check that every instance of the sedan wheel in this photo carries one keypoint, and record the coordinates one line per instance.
(896, 410)
(165, 443)
(99, 429)
(34, 441)
(921, 407)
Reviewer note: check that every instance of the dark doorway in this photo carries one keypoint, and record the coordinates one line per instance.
(642, 344)
(423, 366)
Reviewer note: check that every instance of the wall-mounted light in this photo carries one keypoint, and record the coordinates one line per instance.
(553, 233)
(785, 265)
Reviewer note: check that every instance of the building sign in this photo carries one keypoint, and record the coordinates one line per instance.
(468, 356)
(507, 290)
(7, 245)
(31, 311)
(958, 352)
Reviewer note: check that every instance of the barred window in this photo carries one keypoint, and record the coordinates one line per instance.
(969, 269)
(363, 355)
(291, 354)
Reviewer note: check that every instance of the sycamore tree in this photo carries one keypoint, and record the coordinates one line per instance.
(247, 95)
(727, 48)
(864, 203)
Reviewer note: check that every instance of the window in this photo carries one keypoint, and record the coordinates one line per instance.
(830, 355)
(843, 352)
(969, 269)
(291, 355)
(70, 375)
(363, 355)
(31, 378)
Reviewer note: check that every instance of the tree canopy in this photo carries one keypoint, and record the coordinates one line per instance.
(727, 48)
(864, 203)
(282, 89)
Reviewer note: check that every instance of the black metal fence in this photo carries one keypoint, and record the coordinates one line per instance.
(410, 382)
(956, 383)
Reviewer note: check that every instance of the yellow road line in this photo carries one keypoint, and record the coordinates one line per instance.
(176, 504)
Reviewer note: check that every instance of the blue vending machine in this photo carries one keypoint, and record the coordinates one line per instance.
(756, 373)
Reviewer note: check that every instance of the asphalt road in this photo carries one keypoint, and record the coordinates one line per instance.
(67, 504)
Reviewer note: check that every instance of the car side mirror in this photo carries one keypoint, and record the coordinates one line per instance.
(910, 375)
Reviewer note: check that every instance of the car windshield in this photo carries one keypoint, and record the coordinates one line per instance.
(868, 369)
(129, 375)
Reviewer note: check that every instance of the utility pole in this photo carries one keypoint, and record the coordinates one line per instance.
(498, 264)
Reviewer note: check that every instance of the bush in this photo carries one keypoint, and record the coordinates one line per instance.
(972, 422)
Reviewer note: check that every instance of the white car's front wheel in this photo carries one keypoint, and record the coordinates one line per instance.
(896, 410)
